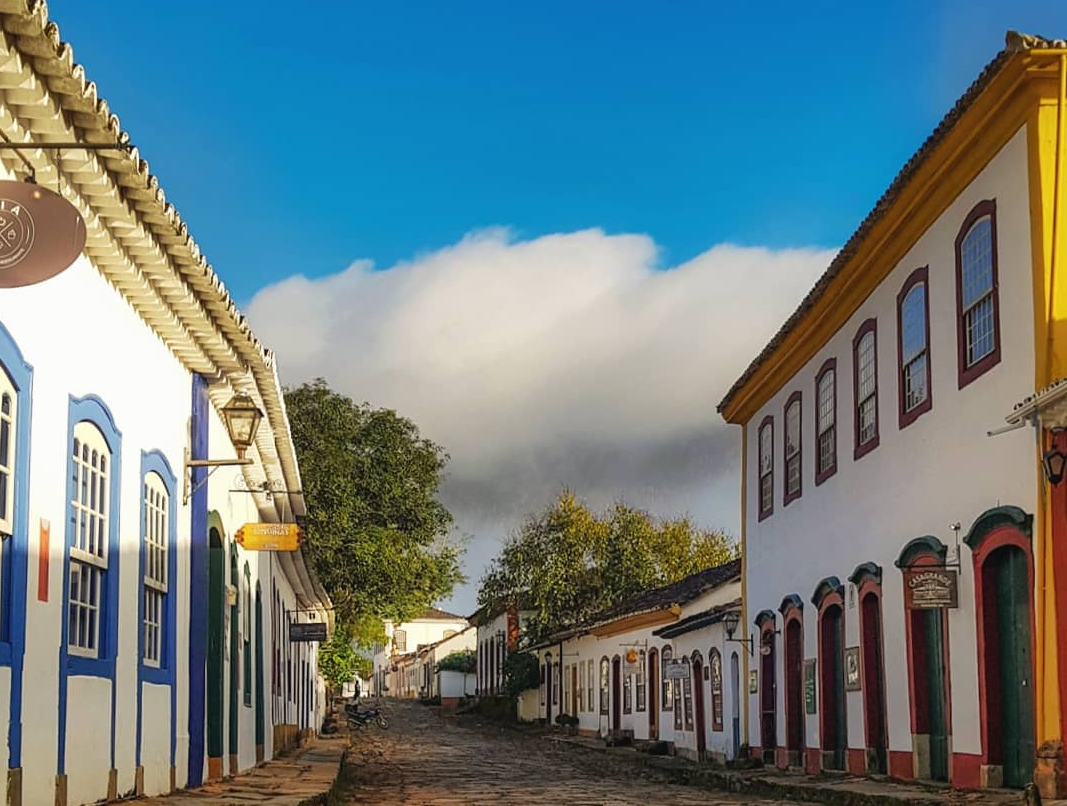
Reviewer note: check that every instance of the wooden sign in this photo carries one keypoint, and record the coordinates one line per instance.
(753, 682)
(929, 587)
(852, 669)
(269, 536)
(810, 704)
(41, 234)
(306, 632)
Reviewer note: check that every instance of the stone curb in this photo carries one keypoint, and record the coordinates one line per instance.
(828, 791)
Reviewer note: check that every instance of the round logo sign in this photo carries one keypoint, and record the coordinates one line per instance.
(41, 234)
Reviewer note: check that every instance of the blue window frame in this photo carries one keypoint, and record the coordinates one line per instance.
(158, 567)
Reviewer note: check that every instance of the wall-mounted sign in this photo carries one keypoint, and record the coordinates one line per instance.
(629, 662)
(41, 234)
(306, 632)
(852, 668)
(269, 536)
(927, 587)
(676, 670)
(810, 706)
(753, 682)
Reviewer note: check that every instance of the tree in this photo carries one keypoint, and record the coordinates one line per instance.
(462, 660)
(377, 535)
(567, 563)
(340, 663)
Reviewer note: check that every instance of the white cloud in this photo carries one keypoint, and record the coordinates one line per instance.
(567, 359)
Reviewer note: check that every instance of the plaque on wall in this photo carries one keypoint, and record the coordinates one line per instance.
(930, 587)
(810, 706)
(852, 668)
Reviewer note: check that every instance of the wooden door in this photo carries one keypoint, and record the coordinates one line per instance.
(215, 677)
(768, 698)
(574, 690)
(833, 688)
(548, 692)
(874, 684)
(616, 692)
(794, 691)
(1016, 700)
(934, 646)
(735, 702)
(698, 705)
(653, 695)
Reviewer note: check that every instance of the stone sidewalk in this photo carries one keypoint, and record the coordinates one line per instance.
(302, 778)
(829, 788)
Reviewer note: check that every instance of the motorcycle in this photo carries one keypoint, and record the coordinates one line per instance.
(357, 719)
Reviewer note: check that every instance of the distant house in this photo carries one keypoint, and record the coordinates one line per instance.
(430, 627)
(657, 666)
(499, 632)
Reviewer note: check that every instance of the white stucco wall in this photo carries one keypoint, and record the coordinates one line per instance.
(938, 470)
(578, 651)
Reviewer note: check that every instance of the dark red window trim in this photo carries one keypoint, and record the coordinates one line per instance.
(906, 418)
(767, 422)
(860, 450)
(786, 495)
(987, 207)
(828, 365)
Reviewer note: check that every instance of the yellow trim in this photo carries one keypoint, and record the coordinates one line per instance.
(992, 119)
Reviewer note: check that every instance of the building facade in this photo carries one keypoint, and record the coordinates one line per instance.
(656, 667)
(142, 649)
(499, 632)
(394, 671)
(894, 532)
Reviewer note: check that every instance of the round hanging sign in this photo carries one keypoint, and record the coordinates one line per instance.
(41, 234)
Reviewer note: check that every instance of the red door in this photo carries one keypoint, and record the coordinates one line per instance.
(698, 704)
(794, 691)
(768, 699)
(653, 695)
(616, 691)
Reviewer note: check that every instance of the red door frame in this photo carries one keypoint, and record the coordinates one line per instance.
(991, 532)
(824, 600)
(768, 686)
(793, 680)
(868, 581)
(616, 692)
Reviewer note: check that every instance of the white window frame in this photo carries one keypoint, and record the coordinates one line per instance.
(908, 360)
(155, 503)
(792, 438)
(91, 465)
(826, 438)
(969, 307)
(8, 420)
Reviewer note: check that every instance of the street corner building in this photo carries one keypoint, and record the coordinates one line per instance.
(142, 647)
(661, 666)
(398, 669)
(904, 520)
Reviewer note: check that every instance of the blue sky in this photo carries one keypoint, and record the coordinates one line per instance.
(550, 233)
(296, 141)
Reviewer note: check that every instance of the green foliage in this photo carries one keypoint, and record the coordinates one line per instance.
(462, 660)
(377, 535)
(521, 672)
(567, 563)
(338, 660)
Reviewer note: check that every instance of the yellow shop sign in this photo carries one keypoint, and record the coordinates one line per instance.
(270, 536)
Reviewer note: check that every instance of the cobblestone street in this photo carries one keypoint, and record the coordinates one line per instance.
(425, 759)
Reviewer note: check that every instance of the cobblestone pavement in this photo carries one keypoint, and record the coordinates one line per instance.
(428, 760)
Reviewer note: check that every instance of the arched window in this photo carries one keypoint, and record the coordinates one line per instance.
(792, 448)
(826, 421)
(8, 446)
(640, 682)
(865, 388)
(158, 615)
(627, 692)
(589, 684)
(90, 558)
(977, 302)
(913, 327)
(605, 681)
(400, 640)
(715, 667)
(667, 684)
(766, 467)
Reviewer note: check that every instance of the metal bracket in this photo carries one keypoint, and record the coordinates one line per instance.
(188, 488)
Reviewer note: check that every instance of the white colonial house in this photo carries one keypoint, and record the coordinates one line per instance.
(656, 667)
(397, 675)
(900, 540)
(499, 631)
(142, 649)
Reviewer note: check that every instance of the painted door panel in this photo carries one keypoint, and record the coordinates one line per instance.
(935, 669)
(1016, 684)
(216, 595)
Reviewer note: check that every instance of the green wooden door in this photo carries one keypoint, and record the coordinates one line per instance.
(233, 652)
(837, 657)
(1016, 679)
(259, 672)
(935, 668)
(216, 596)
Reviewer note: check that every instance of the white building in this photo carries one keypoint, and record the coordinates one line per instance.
(429, 656)
(499, 632)
(430, 627)
(890, 540)
(615, 673)
(141, 648)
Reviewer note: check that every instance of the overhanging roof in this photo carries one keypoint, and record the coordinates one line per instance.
(139, 243)
(697, 621)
